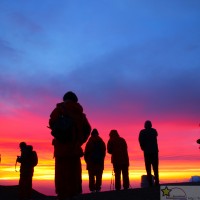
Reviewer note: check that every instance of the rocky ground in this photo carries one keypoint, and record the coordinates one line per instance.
(153, 193)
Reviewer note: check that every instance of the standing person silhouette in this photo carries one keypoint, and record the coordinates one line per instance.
(94, 155)
(149, 145)
(28, 161)
(117, 147)
(67, 148)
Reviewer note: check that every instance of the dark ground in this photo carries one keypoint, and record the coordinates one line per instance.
(153, 193)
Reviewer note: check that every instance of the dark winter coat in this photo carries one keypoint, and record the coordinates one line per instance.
(117, 147)
(94, 154)
(148, 140)
(75, 112)
(27, 167)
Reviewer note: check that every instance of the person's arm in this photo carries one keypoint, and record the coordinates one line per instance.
(86, 153)
(103, 148)
(156, 132)
(86, 129)
(19, 159)
(54, 115)
(141, 141)
(109, 147)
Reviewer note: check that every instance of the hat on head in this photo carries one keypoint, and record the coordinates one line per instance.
(22, 145)
(148, 124)
(70, 96)
(113, 133)
(94, 132)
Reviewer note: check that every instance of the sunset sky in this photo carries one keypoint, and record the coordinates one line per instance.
(127, 61)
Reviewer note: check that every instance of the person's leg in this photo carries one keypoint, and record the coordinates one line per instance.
(22, 187)
(117, 170)
(68, 180)
(78, 171)
(147, 159)
(125, 176)
(91, 180)
(57, 178)
(74, 176)
(99, 180)
(155, 168)
(29, 186)
(60, 176)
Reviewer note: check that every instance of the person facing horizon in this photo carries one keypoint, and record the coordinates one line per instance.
(94, 155)
(149, 145)
(117, 147)
(67, 145)
(28, 160)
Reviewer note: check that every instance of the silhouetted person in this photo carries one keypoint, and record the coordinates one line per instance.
(198, 141)
(27, 160)
(67, 150)
(94, 155)
(148, 144)
(117, 147)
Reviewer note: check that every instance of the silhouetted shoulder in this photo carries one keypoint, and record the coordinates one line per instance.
(152, 131)
(123, 140)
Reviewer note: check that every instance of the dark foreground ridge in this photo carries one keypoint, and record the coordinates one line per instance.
(153, 193)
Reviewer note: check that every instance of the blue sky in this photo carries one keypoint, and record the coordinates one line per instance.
(141, 53)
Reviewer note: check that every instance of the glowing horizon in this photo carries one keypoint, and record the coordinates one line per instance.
(175, 164)
(44, 174)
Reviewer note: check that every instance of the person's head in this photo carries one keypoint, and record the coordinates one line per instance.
(114, 133)
(70, 96)
(147, 124)
(94, 132)
(22, 145)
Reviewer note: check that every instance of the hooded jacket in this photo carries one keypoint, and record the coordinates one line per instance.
(95, 152)
(81, 128)
(148, 140)
(117, 147)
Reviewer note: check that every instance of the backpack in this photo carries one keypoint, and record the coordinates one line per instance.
(62, 128)
(34, 159)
